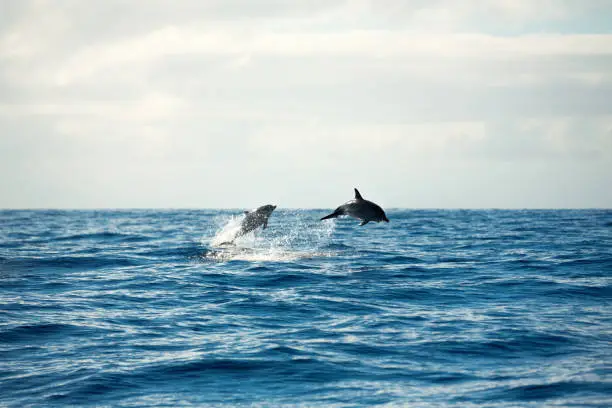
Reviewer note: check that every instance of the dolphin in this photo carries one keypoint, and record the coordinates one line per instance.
(361, 209)
(255, 218)
(252, 220)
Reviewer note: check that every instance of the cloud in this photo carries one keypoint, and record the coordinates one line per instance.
(210, 103)
(395, 47)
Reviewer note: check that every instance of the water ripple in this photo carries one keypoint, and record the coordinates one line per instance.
(437, 308)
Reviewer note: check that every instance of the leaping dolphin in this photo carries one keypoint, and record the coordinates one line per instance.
(255, 218)
(252, 220)
(361, 209)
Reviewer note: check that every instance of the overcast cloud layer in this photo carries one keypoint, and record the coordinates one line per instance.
(238, 103)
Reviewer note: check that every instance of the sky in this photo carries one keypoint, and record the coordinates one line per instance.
(240, 103)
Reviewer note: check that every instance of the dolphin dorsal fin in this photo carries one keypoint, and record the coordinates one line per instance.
(357, 195)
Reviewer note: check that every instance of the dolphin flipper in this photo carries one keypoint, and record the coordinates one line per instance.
(364, 222)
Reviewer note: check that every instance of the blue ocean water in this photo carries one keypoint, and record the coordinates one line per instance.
(437, 308)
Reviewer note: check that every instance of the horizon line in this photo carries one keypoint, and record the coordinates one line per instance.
(293, 208)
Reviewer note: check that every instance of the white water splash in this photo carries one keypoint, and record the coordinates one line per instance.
(270, 255)
(228, 232)
(290, 236)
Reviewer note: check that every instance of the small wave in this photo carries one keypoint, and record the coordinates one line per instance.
(179, 251)
(288, 280)
(105, 235)
(402, 259)
(301, 367)
(40, 332)
(72, 262)
(551, 391)
(221, 366)
(261, 255)
(338, 246)
(603, 262)
(581, 291)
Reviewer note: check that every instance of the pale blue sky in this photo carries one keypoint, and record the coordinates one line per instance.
(238, 103)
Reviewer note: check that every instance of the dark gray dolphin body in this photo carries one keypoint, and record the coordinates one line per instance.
(361, 209)
(254, 219)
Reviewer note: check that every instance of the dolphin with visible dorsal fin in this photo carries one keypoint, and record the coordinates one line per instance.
(361, 209)
(255, 218)
(252, 220)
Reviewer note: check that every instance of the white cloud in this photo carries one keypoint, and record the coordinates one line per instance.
(207, 103)
(169, 42)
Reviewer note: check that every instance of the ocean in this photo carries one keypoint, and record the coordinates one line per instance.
(464, 308)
